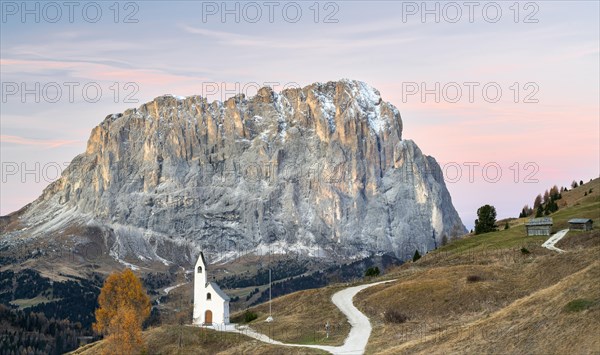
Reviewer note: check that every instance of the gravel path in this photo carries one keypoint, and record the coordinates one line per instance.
(356, 341)
(549, 244)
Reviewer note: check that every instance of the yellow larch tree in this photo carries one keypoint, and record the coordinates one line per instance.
(123, 307)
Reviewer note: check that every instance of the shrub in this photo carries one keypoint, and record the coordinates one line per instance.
(395, 316)
(372, 271)
(417, 256)
(444, 240)
(474, 278)
(578, 305)
(249, 316)
(525, 251)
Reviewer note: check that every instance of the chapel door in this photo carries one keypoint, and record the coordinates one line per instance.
(208, 317)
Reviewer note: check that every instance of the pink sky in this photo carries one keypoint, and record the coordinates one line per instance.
(169, 51)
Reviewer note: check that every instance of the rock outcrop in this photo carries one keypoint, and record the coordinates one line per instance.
(321, 170)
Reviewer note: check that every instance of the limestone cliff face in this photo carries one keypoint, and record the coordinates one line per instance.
(322, 169)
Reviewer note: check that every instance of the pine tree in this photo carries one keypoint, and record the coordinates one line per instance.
(539, 212)
(486, 219)
(526, 211)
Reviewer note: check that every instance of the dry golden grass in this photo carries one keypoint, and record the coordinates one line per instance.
(541, 323)
(438, 298)
(576, 195)
(579, 240)
(300, 318)
(192, 340)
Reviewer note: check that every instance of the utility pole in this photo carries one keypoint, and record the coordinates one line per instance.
(270, 293)
(270, 318)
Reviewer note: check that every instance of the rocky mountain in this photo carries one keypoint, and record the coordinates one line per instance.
(321, 170)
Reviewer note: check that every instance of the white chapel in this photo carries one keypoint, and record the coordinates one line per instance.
(211, 305)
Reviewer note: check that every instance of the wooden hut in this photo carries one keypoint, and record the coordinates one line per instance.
(582, 224)
(539, 226)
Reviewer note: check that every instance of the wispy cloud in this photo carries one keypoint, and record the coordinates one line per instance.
(46, 143)
(335, 43)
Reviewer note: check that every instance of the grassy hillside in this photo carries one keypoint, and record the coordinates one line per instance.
(300, 318)
(478, 294)
(574, 203)
(560, 319)
(483, 294)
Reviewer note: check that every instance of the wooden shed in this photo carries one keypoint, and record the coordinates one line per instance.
(539, 226)
(582, 224)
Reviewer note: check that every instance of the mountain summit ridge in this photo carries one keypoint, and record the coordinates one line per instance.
(322, 170)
